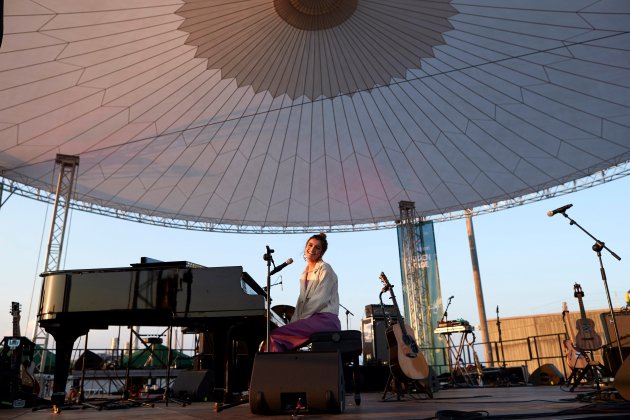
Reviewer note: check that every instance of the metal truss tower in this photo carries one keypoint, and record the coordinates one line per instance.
(415, 285)
(66, 167)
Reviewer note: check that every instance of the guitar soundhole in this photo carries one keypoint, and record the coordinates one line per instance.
(412, 344)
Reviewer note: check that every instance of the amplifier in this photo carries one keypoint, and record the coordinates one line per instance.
(380, 311)
(623, 326)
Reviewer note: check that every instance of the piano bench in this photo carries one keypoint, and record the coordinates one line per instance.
(349, 345)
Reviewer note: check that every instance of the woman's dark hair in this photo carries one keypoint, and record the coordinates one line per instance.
(321, 236)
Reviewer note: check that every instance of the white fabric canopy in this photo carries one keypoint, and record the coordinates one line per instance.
(312, 113)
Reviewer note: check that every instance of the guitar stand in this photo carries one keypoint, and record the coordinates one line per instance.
(398, 388)
(593, 372)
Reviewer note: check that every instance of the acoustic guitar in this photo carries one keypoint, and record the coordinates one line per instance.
(406, 361)
(575, 359)
(586, 338)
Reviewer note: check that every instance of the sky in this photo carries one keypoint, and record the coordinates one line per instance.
(528, 261)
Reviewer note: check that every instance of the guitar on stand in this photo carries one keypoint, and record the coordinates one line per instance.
(575, 358)
(17, 366)
(406, 362)
(586, 338)
(580, 356)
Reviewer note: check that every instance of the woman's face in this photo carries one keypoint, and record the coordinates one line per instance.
(313, 250)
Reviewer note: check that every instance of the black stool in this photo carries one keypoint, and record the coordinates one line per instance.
(349, 345)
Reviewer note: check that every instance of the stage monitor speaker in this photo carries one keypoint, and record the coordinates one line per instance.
(622, 379)
(611, 358)
(298, 381)
(195, 385)
(547, 374)
(497, 376)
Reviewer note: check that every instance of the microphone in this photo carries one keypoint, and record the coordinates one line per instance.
(281, 266)
(562, 209)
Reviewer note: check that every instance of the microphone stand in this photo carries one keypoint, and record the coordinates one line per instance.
(445, 314)
(267, 257)
(597, 247)
(347, 316)
(500, 339)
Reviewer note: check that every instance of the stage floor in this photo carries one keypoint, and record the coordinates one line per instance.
(458, 403)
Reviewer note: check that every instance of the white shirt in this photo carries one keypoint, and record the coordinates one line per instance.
(320, 294)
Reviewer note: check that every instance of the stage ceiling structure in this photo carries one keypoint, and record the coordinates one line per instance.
(303, 115)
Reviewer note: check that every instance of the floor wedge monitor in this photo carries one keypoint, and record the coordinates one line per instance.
(297, 382)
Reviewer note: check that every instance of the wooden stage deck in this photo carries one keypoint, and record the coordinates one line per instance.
(516, 402)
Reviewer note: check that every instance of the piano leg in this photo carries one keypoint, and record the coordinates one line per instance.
(234, 360)
(227, 356)
(64, 343)
(220, 337)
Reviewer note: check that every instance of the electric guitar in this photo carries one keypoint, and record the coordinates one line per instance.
(586, 338)
(406, 361)
(575, 359)
(27, 379)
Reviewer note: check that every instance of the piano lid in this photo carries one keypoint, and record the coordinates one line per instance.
(147, 262)
(164, 291)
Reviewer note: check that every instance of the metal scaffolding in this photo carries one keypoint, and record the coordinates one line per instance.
(66, 166)
(415, 287)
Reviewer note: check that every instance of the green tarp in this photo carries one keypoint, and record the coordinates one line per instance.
(156, 357)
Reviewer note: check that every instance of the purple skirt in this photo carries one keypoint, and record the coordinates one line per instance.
(293, 335)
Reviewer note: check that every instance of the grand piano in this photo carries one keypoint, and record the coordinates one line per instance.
(223, 303)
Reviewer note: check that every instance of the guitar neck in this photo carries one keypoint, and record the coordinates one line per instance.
(16, 326)
(567, 326)
(582, 310)
(399, 317)
(15, 313)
